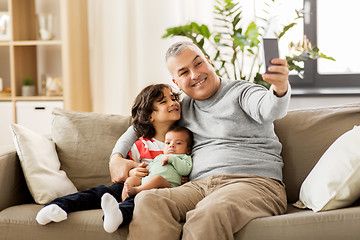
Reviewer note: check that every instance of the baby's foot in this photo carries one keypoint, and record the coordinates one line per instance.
(112, 215)
(51, 213)
(130, 190)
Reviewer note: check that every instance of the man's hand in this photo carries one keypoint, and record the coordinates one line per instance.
(279, 78)
(140, 171)
(120, 167)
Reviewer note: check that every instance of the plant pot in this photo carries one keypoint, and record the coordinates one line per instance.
(28, 91)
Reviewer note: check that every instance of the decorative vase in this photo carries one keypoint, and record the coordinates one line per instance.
(28, 90)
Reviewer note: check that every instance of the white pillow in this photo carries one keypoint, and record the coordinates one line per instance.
(334, 182)
(40, 165)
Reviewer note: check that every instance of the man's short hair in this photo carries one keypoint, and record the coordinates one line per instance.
(177, 48)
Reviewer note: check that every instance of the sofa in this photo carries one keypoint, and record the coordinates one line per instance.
(305, 135)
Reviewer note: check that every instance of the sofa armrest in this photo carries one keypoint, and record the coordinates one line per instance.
(13, 187)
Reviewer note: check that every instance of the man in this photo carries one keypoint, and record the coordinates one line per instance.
(237, 167)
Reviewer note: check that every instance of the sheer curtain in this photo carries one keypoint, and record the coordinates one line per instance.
(126, 49)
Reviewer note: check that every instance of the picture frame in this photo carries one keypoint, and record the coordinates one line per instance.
(4, 26)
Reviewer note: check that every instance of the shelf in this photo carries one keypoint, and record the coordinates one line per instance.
(39, 98)
(31, 43)
(37, 43)
(5, 99)
(4, 43)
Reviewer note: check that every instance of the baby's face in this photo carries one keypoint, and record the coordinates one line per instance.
(176, 143)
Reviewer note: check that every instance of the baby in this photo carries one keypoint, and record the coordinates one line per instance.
(166, 169)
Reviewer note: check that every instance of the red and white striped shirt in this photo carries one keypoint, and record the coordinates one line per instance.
(145, 150)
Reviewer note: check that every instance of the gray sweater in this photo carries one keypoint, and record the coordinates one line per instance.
(233, 131)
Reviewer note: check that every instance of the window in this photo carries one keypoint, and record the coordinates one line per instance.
(333, 27)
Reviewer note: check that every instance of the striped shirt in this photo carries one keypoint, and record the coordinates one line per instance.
(145, 150)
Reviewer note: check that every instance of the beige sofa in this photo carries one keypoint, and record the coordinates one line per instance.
(305, 134)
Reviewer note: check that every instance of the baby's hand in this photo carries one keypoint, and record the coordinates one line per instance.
(140, 171)
(165, 161)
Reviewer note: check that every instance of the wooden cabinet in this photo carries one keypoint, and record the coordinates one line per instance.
(65, 56)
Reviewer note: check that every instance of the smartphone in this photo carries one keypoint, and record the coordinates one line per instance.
(271, 50)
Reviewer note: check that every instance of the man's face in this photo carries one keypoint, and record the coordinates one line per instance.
(193, 74)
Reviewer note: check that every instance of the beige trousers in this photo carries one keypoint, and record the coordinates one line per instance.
(215, 207)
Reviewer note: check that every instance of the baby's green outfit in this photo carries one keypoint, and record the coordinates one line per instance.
(178, 165)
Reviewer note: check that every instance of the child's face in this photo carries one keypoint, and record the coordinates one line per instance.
(176, 143)
(193, 74)
(166, 109)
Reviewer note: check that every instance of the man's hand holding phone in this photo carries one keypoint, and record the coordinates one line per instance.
(277, 71)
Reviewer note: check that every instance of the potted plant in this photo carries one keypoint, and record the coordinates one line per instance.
(232, 43)
(28, 88)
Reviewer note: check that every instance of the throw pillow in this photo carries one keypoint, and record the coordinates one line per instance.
(40, 165)
(84, 142)
(305, 135)
(334, 182)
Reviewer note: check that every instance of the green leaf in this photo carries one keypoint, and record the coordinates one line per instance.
(205, 31)
(252, 33)
(286, 28)
(250, 51)
(326, 57)
(217, 38)
(237, 19)
(241, 40)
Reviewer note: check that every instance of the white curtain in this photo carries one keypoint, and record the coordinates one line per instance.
(126, 49)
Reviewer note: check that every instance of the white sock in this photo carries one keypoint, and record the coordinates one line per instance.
(112, 215)
(51, 213)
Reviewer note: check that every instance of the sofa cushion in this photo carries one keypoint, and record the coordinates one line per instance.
(334, 182)
(306, 134)
(299, 224)
(40, 165)
(84, 143)
(18, 223)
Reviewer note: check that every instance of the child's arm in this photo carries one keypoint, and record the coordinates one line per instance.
(182, 163)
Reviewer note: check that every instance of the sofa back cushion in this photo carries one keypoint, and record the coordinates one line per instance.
(306, 134)
(84, 143)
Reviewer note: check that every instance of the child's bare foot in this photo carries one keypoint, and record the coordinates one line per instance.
(131, 190)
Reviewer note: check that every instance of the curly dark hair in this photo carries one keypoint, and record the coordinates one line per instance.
(143, 107)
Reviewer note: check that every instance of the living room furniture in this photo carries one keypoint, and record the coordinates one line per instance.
(24, 55)
(305, 134)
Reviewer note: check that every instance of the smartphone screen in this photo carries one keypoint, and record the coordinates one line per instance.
(271, 50)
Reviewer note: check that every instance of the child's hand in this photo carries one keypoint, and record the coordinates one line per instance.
(140, 171)
(165, 161)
